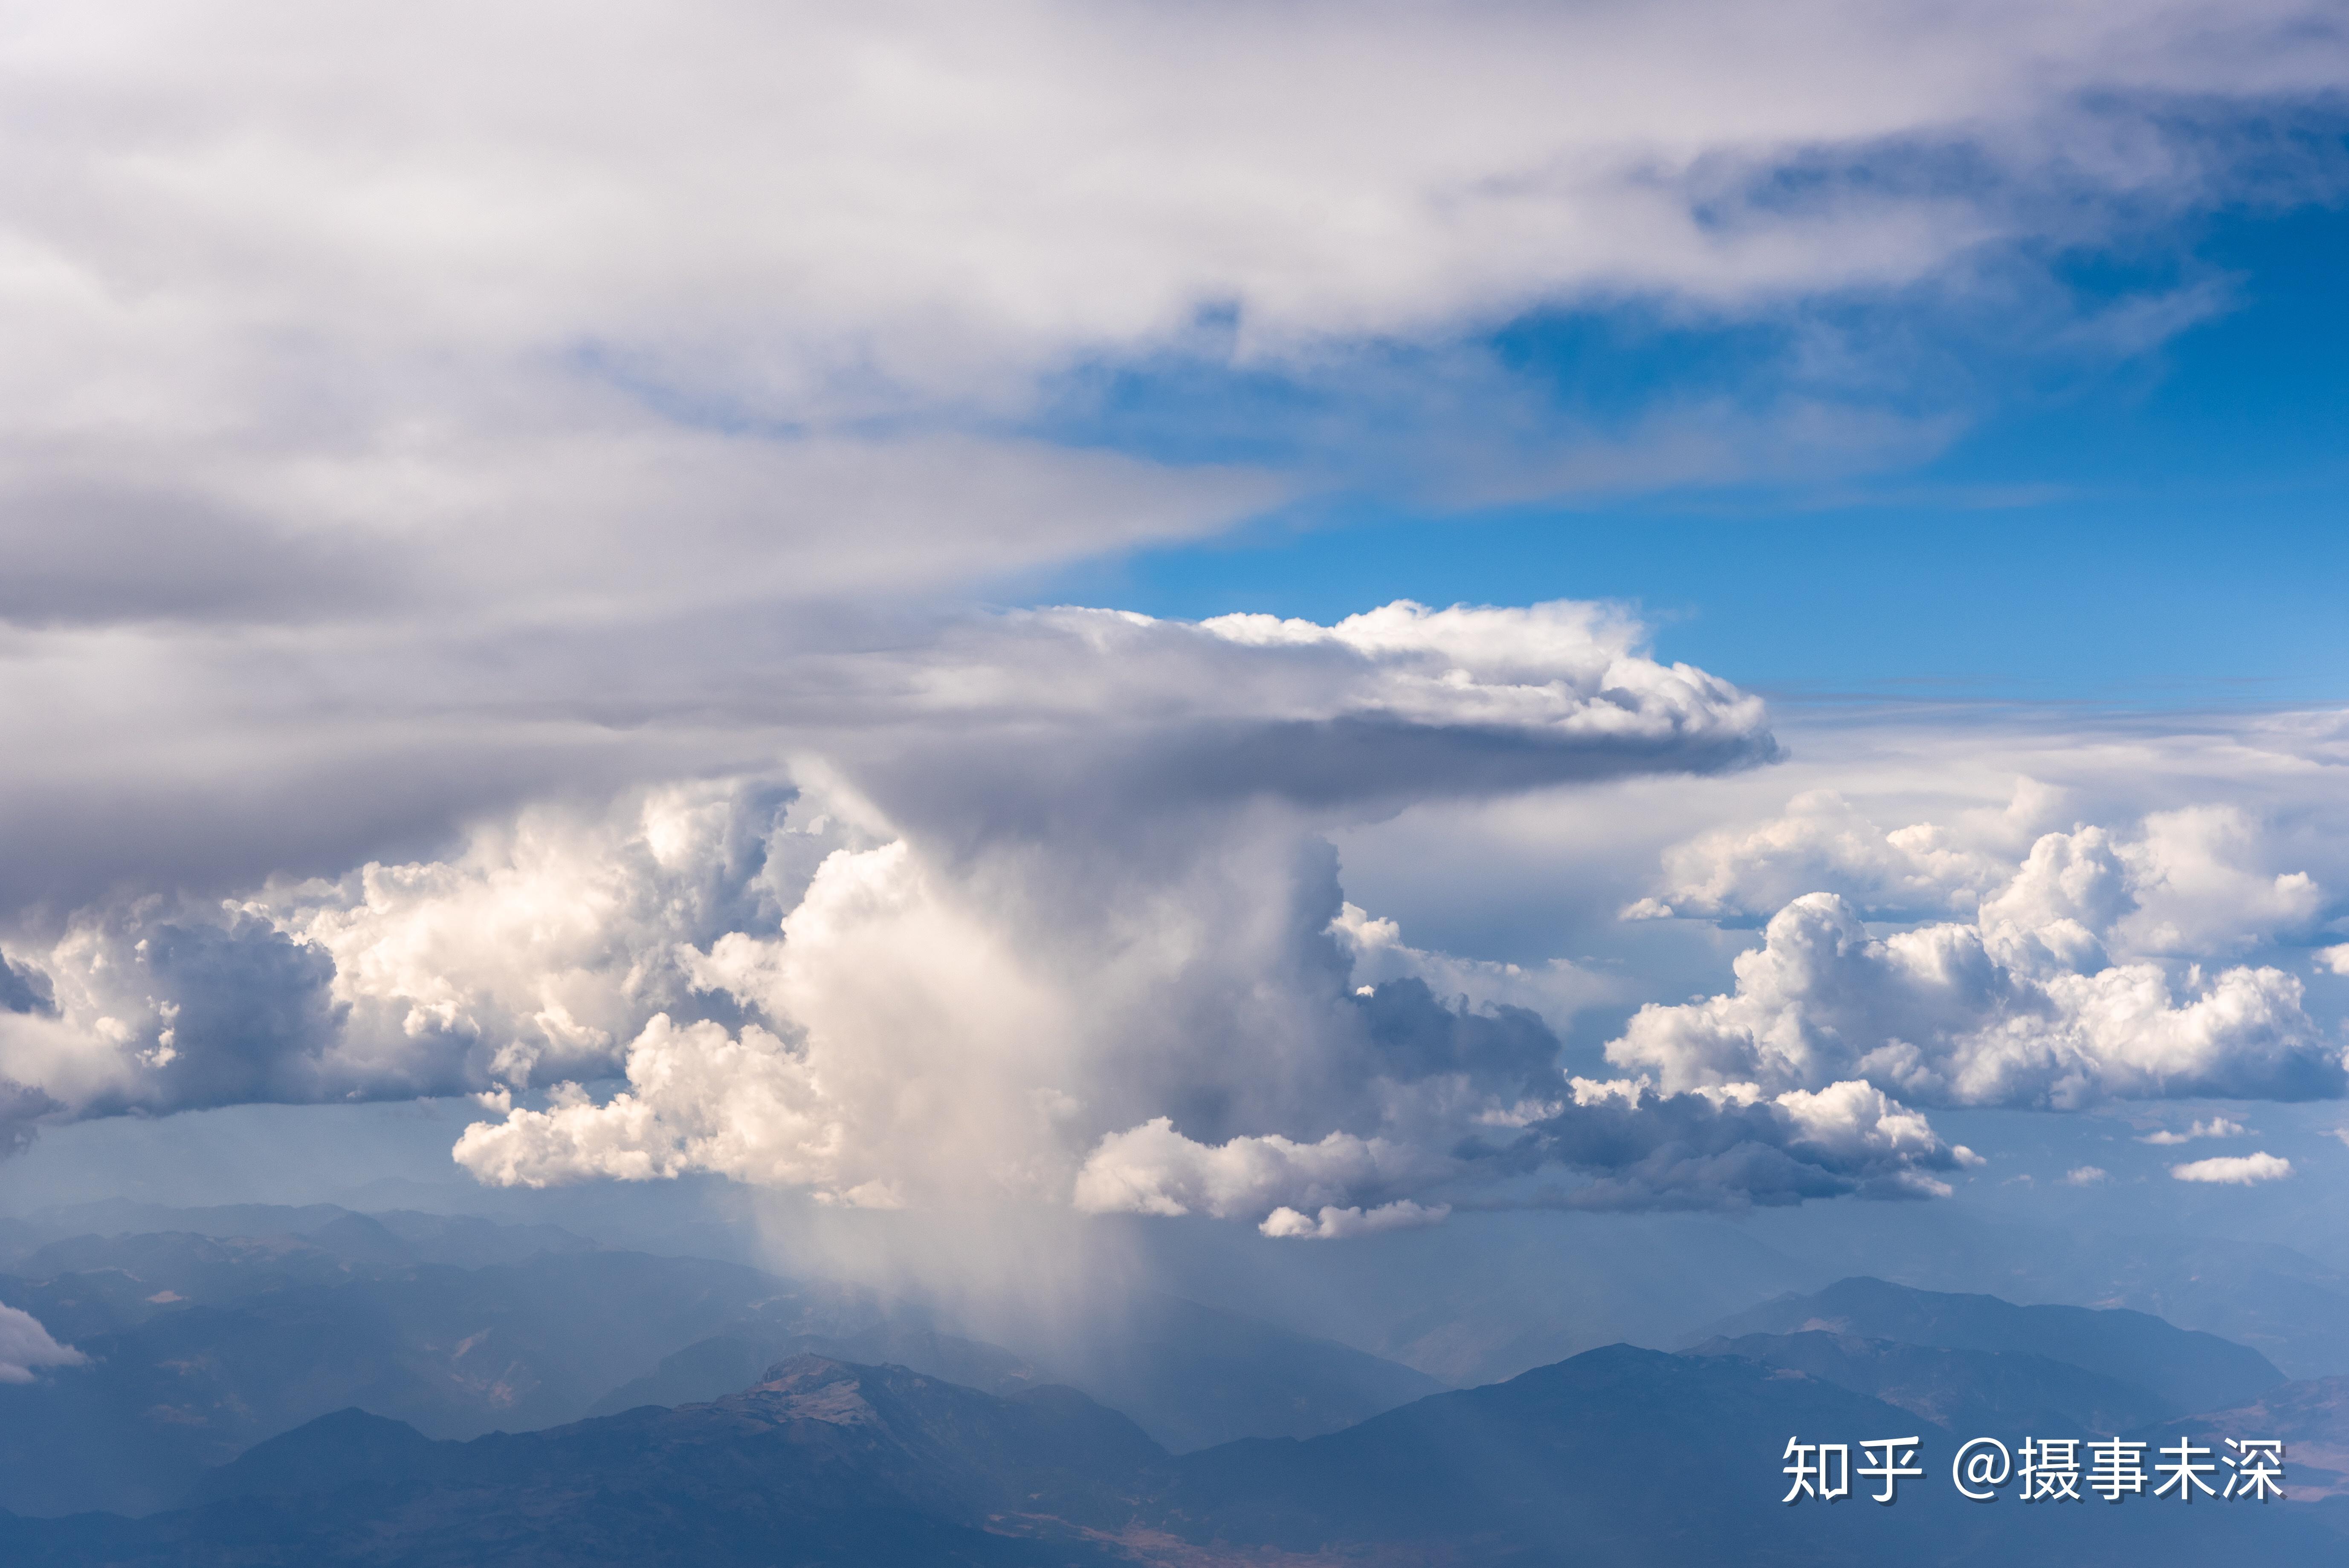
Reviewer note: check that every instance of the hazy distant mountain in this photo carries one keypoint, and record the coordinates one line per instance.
(1191, 1375)
(2291, 1307)
(1620, 1457)
(399, 1235)
(1966, 1392)
(2185, 1370)
(2312, 1419)
(2288, 1307)
(1623, 1456)
(199, 1346)
(820, 1463)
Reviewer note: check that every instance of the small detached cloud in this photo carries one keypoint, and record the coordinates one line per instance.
(2087, 1176)
(2216, 1127)
(26, 1345)
(2334, 959)
(2235, 1170)
(1337, 1223)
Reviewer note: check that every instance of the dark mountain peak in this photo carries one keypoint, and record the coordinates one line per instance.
(1050, 1424)
(345, 1448)
(807, 1370)
(809, 1387)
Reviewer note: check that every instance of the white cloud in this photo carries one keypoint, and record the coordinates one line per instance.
(1154, 1170)
(2022, 1004)
(1333, 1224)
(1043, 909)
(25, 1347)
(1958, 1015)
(2235, 1170)
(1183, 761)
(1050, 919)
(2087, 1176)
(2334, 959)
(1821, 843)
(518, 316)
(2193, 881)
(2216, 1127)
(1623, 1145)
(1555, 988)
(2199, 889)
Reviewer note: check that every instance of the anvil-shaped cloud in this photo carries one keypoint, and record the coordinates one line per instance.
(1051, 918)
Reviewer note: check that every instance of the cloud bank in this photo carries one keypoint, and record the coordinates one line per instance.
(1042, 908)
(1049, 916)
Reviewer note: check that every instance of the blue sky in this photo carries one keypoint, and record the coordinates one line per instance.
(2162, 526)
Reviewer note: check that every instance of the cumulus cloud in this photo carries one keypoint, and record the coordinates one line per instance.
(1333, 1224)
(1053, 919)
(2087, 1176)
(1824, 842)
(1025, 755)
(2193, 881)
(2235, 1170)
(2216, 1127)
(25, 1347)
(1620, 1144)
(1044, 908)
(1556, 988)
(2052, 994)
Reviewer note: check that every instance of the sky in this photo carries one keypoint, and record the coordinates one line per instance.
(1329, 621)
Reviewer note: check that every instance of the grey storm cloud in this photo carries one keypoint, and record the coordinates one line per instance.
(1063, 875)
(1045, 907)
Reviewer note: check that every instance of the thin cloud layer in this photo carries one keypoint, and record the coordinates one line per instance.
(431, 315)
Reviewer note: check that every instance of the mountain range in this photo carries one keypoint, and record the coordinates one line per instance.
(1616, 1456)
(2146, 1366)
(198, 1345)
(407, 1388)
